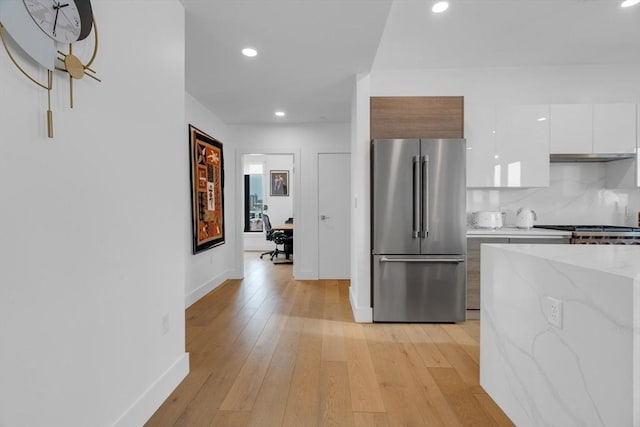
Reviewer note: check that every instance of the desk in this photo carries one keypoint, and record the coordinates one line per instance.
(288, 247)
(287, 228)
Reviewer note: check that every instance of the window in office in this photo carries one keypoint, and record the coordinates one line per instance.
(253, 202)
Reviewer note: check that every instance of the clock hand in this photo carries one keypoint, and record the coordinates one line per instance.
(68, 20)
(57, 8)
(55, 22)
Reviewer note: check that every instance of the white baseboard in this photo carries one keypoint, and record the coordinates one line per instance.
(204, 289)
(145, 406)
(305, 275)
(360, 314)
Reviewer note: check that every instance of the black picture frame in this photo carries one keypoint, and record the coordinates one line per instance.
(207, 190)
(279, 183)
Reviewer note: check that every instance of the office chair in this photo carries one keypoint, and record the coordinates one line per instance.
(277, 237)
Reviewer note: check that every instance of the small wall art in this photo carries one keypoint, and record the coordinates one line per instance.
(279, 183)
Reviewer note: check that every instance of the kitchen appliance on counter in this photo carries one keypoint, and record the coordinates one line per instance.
(418, 229)
(525, 218)
(599, 234)
(487, 219)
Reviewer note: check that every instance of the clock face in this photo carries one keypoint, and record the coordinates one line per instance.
(59, 19)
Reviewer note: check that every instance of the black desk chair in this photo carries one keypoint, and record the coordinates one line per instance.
(276, 236)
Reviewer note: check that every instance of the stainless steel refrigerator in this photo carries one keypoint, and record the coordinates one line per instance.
(418, 230)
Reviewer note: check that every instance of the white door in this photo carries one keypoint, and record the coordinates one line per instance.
(334, 193)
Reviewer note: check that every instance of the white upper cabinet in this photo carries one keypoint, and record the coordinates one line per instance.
(479, 131)
(571, 130)
(614, 128)
(597, 128)
(508, 146)
(625, 173)
(522, 146)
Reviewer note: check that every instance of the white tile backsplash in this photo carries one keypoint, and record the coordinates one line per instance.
(576, 195)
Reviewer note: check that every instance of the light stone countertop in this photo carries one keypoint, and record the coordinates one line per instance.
(560, 333)
(516, 232)
(621, 260)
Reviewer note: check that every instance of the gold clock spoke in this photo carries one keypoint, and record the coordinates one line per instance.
(49, 112)
(92, 76)
(75, 68)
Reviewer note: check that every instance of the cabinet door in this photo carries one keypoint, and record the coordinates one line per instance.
(522, 146)
(473, 269)
(625, 173)
(571, 129)
(558, 241)
(614, 128)
(480, 133)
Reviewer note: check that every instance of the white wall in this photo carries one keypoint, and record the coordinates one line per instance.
(360, 289)
(92, 230)
(280, 207)
(526, 85)
(304, 141)
(209, 269)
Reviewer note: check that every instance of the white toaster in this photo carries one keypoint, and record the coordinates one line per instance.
(486, 219)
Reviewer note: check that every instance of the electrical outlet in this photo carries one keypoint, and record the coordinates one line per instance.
(165, 324)
(554, 313)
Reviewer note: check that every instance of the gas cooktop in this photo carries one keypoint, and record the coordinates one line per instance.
(592, 228)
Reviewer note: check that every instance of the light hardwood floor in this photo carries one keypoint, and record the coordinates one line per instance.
(272, 351)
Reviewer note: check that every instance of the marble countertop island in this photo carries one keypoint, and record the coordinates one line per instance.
(560, 333)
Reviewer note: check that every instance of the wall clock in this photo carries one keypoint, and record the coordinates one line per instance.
(38, 28)
(64, 21)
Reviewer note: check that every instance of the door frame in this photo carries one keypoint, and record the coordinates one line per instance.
(238, 258)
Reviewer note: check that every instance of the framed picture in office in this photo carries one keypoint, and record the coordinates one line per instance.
(279, 183)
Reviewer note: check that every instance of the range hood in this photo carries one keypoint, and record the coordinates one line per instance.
(590, 157)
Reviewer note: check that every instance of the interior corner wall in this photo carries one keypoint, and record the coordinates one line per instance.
(92, 229)
(305, 142)
(208, 269)
(360, 291)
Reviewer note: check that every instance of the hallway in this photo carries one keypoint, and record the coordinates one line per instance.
(271, 351)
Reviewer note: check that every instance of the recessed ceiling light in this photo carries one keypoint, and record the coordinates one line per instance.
(249, 51)
(440, 7)
(280, 113)
(629, 3)
(542, 119)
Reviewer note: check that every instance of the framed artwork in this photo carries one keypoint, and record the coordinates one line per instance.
(279, 183)
(207, 196)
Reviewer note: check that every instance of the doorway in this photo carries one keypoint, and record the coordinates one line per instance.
(268, 189)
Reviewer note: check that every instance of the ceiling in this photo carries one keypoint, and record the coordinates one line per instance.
(310, 50)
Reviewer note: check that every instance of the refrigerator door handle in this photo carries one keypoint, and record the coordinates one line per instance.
(431, 260)
(424, 225)
(416, 197)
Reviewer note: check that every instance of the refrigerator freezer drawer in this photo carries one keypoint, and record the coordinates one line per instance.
(419, 289)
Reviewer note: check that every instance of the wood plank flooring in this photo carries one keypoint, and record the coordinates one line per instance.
(272, 351)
